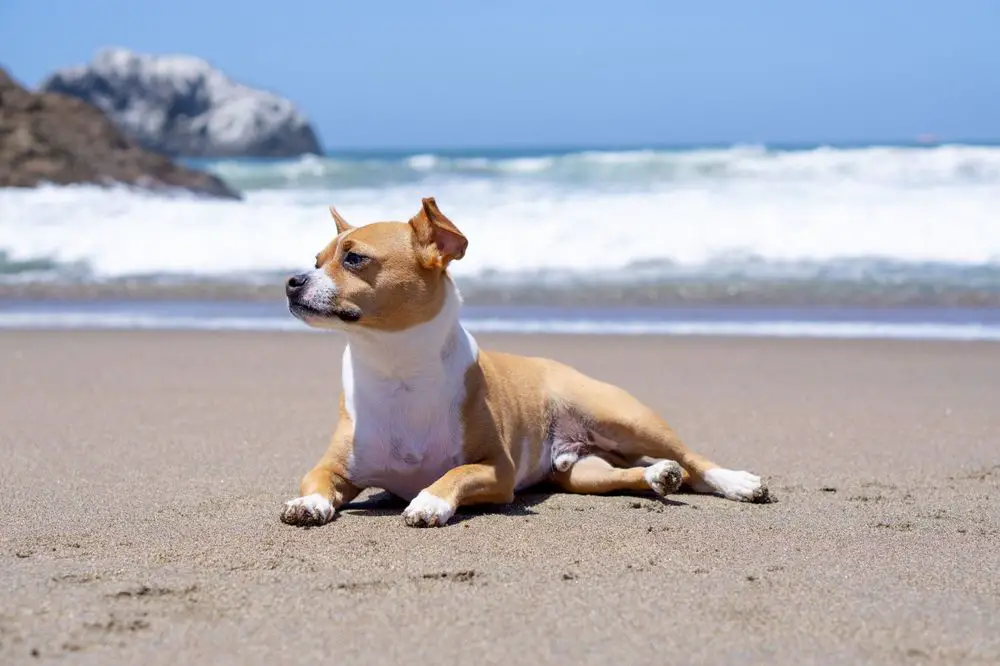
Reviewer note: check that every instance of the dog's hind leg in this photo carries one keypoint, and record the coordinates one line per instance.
(594, 475)
(622, 424)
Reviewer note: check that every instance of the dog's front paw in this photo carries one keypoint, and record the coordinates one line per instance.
(427, 510)
(664, 477)
(311, 510)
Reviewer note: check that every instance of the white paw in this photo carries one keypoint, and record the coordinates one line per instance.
(663, 477)
(427, 510)
(309, 510)
(564, 461)
(736, 485)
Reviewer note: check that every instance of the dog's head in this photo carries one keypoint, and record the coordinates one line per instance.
(385, 275)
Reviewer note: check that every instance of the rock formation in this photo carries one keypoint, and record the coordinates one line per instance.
(181, 106)
(52, 138)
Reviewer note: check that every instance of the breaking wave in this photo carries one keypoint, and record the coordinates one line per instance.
(893, 166)
(643, 225)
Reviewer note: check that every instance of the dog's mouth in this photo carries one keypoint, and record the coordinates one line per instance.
(350, 316)
(305, 312)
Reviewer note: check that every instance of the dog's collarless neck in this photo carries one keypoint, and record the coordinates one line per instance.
(439, 345)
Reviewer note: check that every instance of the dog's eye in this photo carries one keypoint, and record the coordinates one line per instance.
(355, 260)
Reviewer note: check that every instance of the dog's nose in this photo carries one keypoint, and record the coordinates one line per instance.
(296, 282)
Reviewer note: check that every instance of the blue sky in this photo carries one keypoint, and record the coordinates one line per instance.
(550, 72)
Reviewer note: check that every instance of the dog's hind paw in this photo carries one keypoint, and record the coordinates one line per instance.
(309, 511)
(664, 477)
(736, 485)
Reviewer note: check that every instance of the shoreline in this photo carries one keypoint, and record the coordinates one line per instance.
(709, 294)
(960, 324)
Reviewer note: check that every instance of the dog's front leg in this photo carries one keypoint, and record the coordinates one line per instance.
(487, 483)
(324, 489)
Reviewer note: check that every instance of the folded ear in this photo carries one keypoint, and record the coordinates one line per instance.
(440, 239)
(342, 224)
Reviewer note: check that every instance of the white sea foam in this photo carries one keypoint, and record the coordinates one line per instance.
(422, 162)
(591, 214)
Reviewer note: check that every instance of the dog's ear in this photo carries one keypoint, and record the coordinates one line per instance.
(440, 240)
(342, 224)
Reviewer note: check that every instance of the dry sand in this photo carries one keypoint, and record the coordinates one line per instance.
(143, 473)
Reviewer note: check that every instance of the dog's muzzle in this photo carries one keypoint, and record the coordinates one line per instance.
(305, 303)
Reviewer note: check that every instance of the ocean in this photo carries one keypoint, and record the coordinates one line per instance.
(858, 240)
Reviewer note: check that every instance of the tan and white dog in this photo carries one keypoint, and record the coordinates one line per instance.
(427, 415)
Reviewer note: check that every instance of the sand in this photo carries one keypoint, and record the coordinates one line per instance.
(143, 473)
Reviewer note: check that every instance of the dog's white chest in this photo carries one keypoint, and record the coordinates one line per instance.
(404, 440)
(407, 432)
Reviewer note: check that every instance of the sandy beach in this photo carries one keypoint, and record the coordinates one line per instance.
(143, 473)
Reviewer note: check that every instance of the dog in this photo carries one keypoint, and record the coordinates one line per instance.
(430, 417)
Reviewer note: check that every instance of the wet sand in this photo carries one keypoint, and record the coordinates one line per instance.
(777, 293)
(143, 473)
